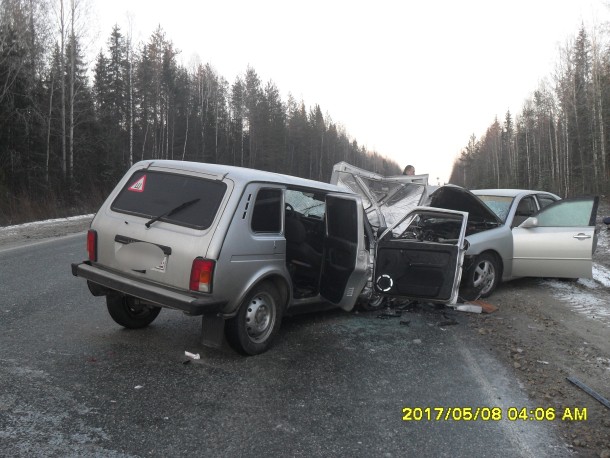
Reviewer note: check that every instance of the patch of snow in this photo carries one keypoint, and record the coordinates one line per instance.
(602, 240)
(588, 282)
(580, 301)
(601, 274)
(18, 227)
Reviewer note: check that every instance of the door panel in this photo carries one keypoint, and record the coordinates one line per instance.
(421, 256)
(344, 262)
(415, 269)
(560, 241)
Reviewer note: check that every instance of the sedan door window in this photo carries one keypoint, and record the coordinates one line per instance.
(567, 213)
(525, 208)
(545, 201)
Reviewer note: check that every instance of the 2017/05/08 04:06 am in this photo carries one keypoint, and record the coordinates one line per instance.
(493, 414)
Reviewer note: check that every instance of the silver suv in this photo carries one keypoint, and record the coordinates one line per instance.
(244, 247)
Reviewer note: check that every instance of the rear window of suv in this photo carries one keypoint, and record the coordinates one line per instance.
(150, 194)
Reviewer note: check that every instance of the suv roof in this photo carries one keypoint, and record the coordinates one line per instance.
(240, 174)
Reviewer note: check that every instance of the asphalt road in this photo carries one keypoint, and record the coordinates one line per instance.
(73, 383)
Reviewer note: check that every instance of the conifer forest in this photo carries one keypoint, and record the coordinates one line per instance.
(69, 129)
(72, 122)
(560, 140)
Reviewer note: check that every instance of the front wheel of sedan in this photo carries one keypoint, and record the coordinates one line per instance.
(482, 277)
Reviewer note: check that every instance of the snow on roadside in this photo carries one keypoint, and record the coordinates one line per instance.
(34, 224)
(602, 241)
(601, 274)
(589, 304)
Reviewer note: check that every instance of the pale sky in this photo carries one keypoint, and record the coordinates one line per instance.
(410, 80)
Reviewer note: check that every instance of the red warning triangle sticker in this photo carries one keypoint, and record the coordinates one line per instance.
(138, 186)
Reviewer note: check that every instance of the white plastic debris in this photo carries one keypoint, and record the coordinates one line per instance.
(138, 387)
(469, 308)
(192, 355)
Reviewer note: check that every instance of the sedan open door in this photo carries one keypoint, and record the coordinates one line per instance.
(421, 256)
(558, 241)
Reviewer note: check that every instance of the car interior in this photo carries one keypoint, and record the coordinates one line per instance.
(304, 233)
(525, 209)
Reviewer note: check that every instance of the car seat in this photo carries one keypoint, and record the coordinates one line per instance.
(298, 251)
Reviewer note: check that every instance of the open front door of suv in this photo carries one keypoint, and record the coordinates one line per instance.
(421, 256)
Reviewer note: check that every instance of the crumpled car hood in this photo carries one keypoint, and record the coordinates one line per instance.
(386, 199)
(389, 199)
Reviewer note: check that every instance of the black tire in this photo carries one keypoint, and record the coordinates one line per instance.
(258, 320)
(375, 302)
(127, 312)
(481, 278)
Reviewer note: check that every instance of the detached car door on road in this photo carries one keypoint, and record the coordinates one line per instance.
(558, 241)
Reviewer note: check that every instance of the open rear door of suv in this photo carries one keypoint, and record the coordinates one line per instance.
(421, 256)
(345, 259)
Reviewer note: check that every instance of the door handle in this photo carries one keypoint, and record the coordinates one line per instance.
(582, 236)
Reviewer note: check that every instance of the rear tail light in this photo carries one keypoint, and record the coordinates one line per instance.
(201, 275)
(92, 245)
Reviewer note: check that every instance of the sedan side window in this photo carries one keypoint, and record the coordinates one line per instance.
(545, 201)
(525, 208)
(567, 213)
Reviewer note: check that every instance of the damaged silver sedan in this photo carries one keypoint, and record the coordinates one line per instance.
(509, 233)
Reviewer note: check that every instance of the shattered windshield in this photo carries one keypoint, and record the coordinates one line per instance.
(500, 205)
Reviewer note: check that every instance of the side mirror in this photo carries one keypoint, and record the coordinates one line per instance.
(529, 223)
(466, 245)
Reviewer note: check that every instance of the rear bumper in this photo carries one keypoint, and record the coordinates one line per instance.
(151, 293)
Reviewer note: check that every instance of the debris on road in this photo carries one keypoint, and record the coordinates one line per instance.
(138, 387)
(469, 308)
(192, 355)
(485, 306)
(589, 391)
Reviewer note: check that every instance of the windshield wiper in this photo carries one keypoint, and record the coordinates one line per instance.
(172, 211)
